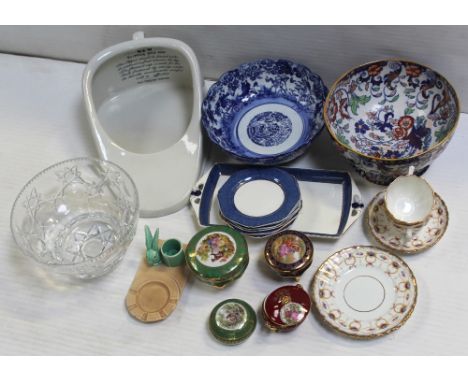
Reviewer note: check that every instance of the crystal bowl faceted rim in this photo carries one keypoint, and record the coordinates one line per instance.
(58, 164)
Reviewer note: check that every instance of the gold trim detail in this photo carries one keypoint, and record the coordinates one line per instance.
(325, 323)
(418, 223)
(405, 252)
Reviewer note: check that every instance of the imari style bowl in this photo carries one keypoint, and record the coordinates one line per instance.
(289, 253)
(217, 255)
(286, 308)
(77, 217)
(265, 112)
(232, 321)
(386, 116)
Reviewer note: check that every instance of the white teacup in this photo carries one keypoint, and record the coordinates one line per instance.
(409, 201)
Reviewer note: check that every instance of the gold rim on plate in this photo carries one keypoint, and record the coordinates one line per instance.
(336, 329)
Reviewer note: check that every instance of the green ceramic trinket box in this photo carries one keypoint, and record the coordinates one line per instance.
(217, 255)
(232, 321)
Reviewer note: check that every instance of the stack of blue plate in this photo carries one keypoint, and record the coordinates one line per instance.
(240, 210)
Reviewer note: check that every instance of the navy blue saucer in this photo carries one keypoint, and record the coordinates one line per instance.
(286, 181)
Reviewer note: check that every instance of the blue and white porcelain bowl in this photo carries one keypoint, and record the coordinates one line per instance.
(266, 111)
(386, 116)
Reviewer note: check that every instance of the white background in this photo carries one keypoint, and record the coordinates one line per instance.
(42, 121)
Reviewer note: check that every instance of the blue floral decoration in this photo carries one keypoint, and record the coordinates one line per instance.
(264, 81)
(361, 127)
(269, 128)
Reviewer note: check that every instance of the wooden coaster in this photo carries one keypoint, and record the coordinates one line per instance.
(155, 291)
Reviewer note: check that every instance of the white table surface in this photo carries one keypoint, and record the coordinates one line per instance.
(42, 121)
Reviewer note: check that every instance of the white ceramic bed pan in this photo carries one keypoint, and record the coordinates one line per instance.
(143, 101)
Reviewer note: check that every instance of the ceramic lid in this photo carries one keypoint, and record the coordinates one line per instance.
(232, 321)
(286, 307)
(217, 255)
(289, 253)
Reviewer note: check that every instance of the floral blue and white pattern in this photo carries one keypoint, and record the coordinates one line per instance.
(264, 95)
(388, 115)
(269, 128)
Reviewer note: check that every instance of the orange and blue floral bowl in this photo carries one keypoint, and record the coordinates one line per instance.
(388, 115)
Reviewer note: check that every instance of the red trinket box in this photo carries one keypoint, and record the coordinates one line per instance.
(286, 308)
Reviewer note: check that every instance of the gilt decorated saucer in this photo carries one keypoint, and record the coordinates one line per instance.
(394, 236)
(364, 292)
